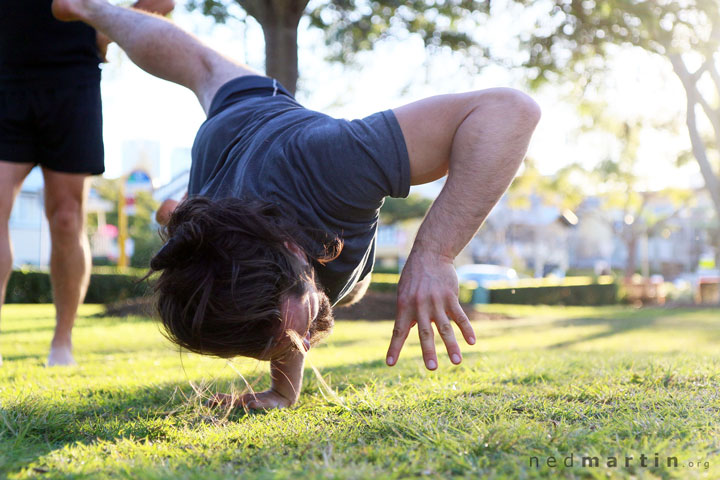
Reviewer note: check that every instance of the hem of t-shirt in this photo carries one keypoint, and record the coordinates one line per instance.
(246, 84)
(61, 78)
(402, 188)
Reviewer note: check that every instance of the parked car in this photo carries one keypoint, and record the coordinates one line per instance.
(484, 274)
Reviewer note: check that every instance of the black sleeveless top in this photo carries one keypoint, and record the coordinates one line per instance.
(38, 50)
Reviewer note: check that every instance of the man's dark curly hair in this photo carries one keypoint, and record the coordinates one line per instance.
(223, 270)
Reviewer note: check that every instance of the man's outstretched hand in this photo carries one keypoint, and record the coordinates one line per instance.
(427, 294)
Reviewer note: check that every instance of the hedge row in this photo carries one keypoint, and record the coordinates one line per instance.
(568, 291)
(387, 283)
(109, 285)
(106, 286)
(589, 295)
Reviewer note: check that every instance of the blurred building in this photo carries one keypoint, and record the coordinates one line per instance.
(539, 239)
(29, 231)
(142, 155)
(535, 239)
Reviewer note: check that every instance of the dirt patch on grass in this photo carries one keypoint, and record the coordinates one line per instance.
(374, 306)
(382, 306)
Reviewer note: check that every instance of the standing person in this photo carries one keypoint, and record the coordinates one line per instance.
(281, 216)
(51, 115)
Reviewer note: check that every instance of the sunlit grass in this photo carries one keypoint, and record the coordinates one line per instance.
(550, 381)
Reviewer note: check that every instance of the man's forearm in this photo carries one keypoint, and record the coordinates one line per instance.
(287, 375)
(481, 144)
(484, 159)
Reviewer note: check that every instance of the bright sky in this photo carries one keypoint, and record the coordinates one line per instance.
(140, 107)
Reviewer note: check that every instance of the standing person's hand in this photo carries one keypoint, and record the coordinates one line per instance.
(161, 7)
(102, 41)
(427, 294)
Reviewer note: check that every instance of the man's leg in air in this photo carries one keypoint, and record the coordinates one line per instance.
(157, 46)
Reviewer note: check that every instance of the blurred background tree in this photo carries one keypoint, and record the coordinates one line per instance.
(564, 189)
(572, 42)
(351, 26)
(400, 209)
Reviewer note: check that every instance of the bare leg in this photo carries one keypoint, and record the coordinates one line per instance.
(65, 196)
(157, 46)
(11, 178)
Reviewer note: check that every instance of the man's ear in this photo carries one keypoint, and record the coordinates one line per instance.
(294, 312)
(296, 250)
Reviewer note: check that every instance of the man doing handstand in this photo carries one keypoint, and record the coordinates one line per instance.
(283, 204)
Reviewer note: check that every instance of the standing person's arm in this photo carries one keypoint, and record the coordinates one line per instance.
(479, 139)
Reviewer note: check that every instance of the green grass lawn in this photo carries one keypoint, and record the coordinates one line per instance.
(591, 382)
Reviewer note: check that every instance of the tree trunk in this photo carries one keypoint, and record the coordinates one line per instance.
(281, 58)
(279, 20)
(631, 261)
(712, 183)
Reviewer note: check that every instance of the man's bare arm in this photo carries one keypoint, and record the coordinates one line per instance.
(286, 374)
(480, 139)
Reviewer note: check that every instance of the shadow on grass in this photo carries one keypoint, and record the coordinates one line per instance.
(623, 322)
(87, 322)
(31, 426)
(636, 320)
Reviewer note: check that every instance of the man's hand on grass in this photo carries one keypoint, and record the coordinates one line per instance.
(427, 294)
(266, 400)
(286, 374)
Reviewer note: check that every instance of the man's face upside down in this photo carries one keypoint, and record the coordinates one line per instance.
(234, 282)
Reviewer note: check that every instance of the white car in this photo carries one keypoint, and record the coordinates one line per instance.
(484, 274)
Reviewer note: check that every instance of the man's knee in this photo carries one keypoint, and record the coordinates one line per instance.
(66, 221)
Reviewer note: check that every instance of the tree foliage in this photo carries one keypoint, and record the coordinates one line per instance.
(563, 190)
(351, 26)
(399, 209)
(572, 41)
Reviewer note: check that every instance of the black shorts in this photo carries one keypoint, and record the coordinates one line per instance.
(59, 128)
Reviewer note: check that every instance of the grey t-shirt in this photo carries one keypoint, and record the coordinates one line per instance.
(260, 143)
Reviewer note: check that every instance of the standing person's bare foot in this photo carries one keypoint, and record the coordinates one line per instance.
(0, 360)
(60, 355)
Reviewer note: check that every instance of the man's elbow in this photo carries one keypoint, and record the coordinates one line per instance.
(523, 110)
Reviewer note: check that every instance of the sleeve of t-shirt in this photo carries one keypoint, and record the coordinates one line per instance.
(353, 165)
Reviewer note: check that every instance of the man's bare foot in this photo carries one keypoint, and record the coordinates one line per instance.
(67, 10)
(0, 360)
(60, 356)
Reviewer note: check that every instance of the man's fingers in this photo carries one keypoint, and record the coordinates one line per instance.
(400, 333)
(445, 329)
(427, 338)
(462, 321)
